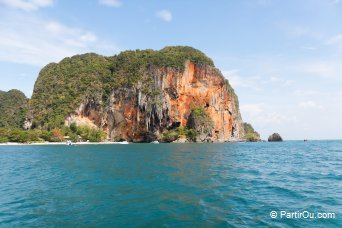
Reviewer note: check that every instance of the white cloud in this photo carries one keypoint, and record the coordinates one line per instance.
(252, 109)
(282, 82)
(254, 82)
(236, 80)
(55, 28)
(331, 69)
(262, 114)
(27, 5)
(302, 92)
(276, 118)
(288, 82)
(165, 15)
(88, 37)
(310, 104)
(37, 41)
(298, 31)
(111, 3)
(335, 40)
(74, 36)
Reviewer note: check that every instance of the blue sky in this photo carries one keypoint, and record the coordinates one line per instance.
(284, 58)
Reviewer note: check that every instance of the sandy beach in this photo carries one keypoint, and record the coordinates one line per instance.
(57, 143)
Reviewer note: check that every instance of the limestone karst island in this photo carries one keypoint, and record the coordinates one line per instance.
(118, 113)
(172, 95)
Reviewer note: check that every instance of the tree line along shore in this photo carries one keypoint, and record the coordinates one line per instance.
(73, 133)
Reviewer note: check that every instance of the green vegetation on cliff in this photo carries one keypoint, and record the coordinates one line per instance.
(200, 121)
(179, 132)
(60, 88)
(250, 134)
(177, 55)
(13, 109)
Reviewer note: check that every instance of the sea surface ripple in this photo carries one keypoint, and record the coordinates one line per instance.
(170, 185)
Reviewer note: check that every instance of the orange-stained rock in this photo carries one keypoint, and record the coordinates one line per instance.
(136, 116)
(141, 113)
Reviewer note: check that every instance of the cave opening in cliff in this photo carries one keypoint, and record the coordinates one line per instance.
(174, 125)
(233, 131)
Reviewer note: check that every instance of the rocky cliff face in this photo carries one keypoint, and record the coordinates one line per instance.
(138, 96)
(136, 116)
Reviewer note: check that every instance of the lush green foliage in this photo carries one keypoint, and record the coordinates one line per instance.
(91, 134)
(176, 56)
(55, 135)
(200, 121)
(13, 108)
(174, 134)
(24, 136)
(250, 134)
(60, 88)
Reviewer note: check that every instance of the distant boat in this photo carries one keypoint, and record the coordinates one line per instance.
(305, 140)
(155, 142)
(123, 142)
(68, 143)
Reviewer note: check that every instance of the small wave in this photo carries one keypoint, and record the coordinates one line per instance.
(286, 192)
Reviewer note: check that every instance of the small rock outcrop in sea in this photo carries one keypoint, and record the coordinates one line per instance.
(275, 137)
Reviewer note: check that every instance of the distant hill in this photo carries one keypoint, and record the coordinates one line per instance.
(13, 108)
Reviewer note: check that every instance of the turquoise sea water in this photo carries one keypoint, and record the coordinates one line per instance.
(171, 185)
